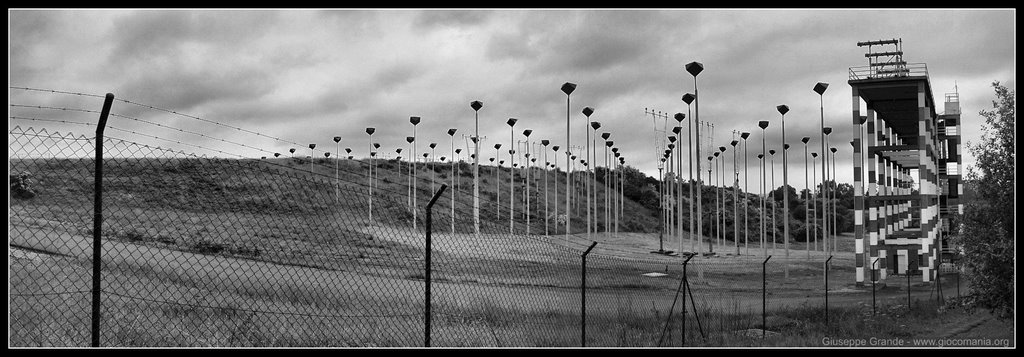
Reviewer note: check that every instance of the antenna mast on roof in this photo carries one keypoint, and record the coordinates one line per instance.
(888, 62)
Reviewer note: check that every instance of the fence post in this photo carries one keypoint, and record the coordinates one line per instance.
(764, 296)
(97, 221)
(426, 267)
(874, 282)
(685, 285)
(827, 261)
(583, 298)
(908, 287)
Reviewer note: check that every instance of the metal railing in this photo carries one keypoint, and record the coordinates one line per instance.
(885, 72)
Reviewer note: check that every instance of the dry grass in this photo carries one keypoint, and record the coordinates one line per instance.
(492, 290)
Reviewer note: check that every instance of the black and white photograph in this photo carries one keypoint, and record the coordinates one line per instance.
(512, 178)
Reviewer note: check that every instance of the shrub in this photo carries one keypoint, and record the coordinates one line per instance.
(21, 186)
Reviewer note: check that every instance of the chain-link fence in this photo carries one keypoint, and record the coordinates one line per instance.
(231, 250)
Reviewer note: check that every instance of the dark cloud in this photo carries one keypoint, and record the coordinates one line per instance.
(184, 88)
(33, 54)
(509, 45)
(29, 29)
(154, 33)
(394, 76)
(440, 18)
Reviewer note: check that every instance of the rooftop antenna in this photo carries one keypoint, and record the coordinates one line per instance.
(886, 62)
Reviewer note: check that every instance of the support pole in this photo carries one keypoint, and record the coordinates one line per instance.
(764, 296)
(583, 297)
(97, 223)
(426, 267)
(827, 261)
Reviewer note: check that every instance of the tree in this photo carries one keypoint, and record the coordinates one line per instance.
(777, 194)
(844, 194)
(987, 225)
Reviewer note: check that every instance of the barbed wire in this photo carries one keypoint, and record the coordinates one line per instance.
(50, 120)
(204, 120)
(58, 91)
(163, 139)
(144, 121)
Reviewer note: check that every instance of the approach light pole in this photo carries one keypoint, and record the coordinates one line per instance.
(711, 242)
(555, 171)
(820, 88)
(735, 200)
(312, 157)
(814, 205)
(512, 173)
(764, 236)
(587, 112)
(678, 130)
(567, 88)
(694, 68)
(497, 180)
(373, 163)
(547, 165)
(783, 109)
(618, 188)
(824, 194)
(451, 136)
(835, 224)
(746, 231)
(592, 175)
(476, 105)
(607, 196)
(807, 183)
(431, 162)
(337, 155)
(458, 169)
(772, 191)
(721, 194)
(688, 98)
(408, 186)
(415, 121)
(670, 188)
(526, 167)
(370, 131)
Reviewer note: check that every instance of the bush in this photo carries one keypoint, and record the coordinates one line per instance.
(21, 186)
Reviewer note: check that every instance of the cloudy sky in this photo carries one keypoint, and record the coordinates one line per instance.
(306, 76)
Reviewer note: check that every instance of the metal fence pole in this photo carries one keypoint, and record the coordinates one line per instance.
(827, 261)
(874, 282)
(97, 223)
(426, 267)
(583, 298)
(764, 296)
(908, 286)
